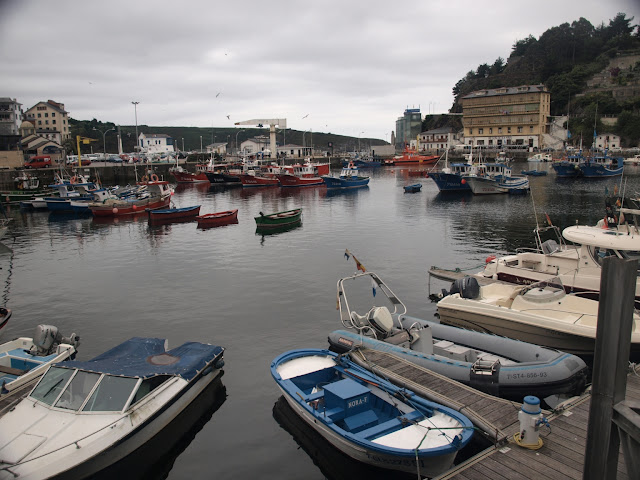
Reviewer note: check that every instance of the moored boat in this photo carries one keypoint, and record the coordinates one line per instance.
(5, 315)
(89, 415)
(416, 187)
(156, 194)
(541, 313)
(368, 418)
(171, 214)
(534, 173)
(256, 179)
(496, 365)
(568, 166)
(411, 157)
(279, 219)
(601, 166)
(25, 359)
(302, 176)
(217, 219)
(349, 178)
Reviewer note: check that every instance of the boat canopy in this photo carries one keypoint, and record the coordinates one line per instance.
(147, 357)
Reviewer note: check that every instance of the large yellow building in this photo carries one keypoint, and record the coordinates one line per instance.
(50, 119)
(508, 116)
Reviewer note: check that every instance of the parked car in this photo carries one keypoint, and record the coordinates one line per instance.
(39, 161)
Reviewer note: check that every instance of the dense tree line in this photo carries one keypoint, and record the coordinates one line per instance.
(563, 59)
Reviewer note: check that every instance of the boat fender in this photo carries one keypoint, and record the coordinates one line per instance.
(145, 178)
(219, 363)
(73, 179)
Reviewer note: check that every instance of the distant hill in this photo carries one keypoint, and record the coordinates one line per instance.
(190, 137)
(567, 59)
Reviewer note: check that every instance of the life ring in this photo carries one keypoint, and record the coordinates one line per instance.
(73, 179)
(154, 178)
(145, 178)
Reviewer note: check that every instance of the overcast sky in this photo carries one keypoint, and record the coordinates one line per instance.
(339, 66)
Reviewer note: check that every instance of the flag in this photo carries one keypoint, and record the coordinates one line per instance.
(373, 286)
(548, 219)
(359, 266)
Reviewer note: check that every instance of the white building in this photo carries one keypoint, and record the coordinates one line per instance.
(607, 140)
(438, 139)
(220, 148)
(155, 143)
(10, 116)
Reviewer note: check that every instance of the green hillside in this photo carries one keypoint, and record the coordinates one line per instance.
(565, 58)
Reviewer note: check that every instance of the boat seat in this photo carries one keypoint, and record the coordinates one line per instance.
(399, 338)
(361, 421)
(389, 426)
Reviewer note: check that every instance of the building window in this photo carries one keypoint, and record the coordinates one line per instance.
(46, 122)
(471, 131)
(508, 129)
(531, 129)
(53, 114)
(490, 130)
(499, 129)
(53, 121)
(42, 108)
(39, 115)
(480, 131)
(519, 129)
(46, 114)
(39, 122)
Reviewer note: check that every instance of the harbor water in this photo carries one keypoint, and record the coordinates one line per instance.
(260, 295)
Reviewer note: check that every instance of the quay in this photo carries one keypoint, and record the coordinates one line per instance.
(562, 455)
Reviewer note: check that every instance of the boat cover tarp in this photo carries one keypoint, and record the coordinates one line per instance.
(147, 357)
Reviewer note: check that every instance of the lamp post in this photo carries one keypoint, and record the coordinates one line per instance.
(104, 146)
(237, 149)
(359, 141)
(183, 144)
(304, 145)
(200, 143)
(135, 109)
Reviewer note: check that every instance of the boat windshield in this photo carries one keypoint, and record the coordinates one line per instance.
(69, 389)
(600, 253)
(553, 284)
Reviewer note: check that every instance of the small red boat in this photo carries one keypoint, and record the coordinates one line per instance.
(183, 176)
(217, 219)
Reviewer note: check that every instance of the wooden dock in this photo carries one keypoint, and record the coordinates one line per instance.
(560, 457)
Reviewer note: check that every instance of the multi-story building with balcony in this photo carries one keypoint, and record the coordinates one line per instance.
(408, 128)
(10, 116)
(508, 116)
(50, 119)
(438, 139)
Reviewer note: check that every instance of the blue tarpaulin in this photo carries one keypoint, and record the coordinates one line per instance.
(146, 357)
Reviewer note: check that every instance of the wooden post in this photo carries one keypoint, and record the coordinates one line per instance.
(610, 364)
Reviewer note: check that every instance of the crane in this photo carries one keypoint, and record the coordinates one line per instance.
(272, 122)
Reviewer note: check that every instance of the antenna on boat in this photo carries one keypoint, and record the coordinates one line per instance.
(535, 213)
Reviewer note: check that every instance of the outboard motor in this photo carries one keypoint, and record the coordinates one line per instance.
(379, 319)
(467, 287)
(47, 338)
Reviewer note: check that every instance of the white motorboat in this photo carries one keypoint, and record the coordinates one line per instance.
(578, 266)
(83, 417)
(542, 313)
(25, 359)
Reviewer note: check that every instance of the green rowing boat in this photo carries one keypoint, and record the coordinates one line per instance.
(279, 219)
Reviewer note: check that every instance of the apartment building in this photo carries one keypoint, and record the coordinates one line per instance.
(437, 139)
(10, 116)
(508, 116)
(408, 128)
(50, 120)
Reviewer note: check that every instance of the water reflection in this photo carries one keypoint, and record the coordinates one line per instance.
(270, 231)
(155, 459)
(333, 463)
(345, 192)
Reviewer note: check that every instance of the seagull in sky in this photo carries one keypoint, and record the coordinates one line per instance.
(228, 117)
(305, 116)
(218, 94)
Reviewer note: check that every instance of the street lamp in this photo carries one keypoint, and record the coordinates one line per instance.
(183, 144)
(104, 146)
(237, 149)
(135, 108)
(200, 143)
(359, 141)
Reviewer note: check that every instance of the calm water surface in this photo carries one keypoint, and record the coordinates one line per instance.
(259, 296)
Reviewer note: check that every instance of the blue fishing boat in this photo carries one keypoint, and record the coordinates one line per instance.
(600, 166)
(449, 179)
(416, 187)
(569, 166)
(368, 418)
(174, 214)
(514, 185)
(349, 178)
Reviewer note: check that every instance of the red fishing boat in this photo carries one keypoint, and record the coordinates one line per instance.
(156, 194)
(255, 179)
(217, 219)
(302, 176)
(183, 176)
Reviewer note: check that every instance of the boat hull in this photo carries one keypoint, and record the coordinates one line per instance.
(166, 215)
(295, 181)
(258, 181)
(483, 186)
(130, 208)
(336, 182)
(280, 219)
(600, 171)
(449, 182)
(566, 170)
(188, 177)
(217, 219)
(223, 178)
